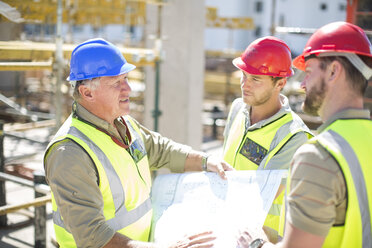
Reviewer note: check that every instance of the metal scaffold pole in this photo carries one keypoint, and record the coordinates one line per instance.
(158, 47)
(58, 66)
(272, 28)
(3, 218)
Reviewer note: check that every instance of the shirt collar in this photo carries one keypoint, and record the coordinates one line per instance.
(83, 113)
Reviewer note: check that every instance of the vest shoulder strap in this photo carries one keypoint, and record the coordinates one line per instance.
(235, 108)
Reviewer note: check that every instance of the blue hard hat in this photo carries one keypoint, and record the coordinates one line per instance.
(96, 58)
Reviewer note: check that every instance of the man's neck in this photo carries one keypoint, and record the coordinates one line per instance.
(338, 99)
(264, 111)
(333, 109)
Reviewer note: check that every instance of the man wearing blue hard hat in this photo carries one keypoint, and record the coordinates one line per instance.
(98, 164)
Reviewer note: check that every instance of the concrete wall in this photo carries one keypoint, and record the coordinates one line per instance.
(10, 80)
(182, 71)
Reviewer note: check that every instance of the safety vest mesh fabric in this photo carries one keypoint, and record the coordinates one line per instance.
(268, 140)
(125, 180)
(349, 141)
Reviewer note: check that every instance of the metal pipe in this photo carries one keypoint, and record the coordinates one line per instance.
(272, 28)
(40, 188)
(59, 65)
(14, 179)
(40, 213)
(3, 218)
(158, 47)
(25, 138)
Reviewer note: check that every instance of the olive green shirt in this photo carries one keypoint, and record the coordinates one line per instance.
(318, 196)
(73, 178)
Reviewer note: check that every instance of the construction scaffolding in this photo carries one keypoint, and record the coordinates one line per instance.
(38, 98)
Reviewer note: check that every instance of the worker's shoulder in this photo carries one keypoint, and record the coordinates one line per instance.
(65, 150)
(298, 125)
(237, 102)
(313, 153)
(236, 105)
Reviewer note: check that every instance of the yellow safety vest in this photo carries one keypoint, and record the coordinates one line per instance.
(124, 177)
(248, 150)
(349, 141)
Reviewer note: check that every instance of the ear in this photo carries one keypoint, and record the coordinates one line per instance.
(334, 70)
(281, 83)
(86, 93)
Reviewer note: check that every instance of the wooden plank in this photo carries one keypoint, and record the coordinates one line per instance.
(26, 66)
(80, 12)
(42, 51)
(40, 201)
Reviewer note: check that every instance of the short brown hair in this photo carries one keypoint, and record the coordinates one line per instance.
(276, 79)
(353, 75)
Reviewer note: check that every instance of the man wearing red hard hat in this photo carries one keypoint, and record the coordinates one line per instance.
(330, 191)
(262, 132)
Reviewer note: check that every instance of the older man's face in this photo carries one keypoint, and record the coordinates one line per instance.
(112, 97)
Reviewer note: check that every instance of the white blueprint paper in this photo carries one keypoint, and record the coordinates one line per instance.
(189, 203)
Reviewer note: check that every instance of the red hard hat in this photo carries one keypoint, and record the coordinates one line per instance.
(335, 37)
(266, 56)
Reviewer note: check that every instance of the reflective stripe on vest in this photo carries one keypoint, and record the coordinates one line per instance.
(340, 147)
(131, 215)
(271, 138)
(123, 217)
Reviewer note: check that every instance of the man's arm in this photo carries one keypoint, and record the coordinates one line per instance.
(163, 152)
(194, 161)
(73, 179)
(317, 194)
(295, 237)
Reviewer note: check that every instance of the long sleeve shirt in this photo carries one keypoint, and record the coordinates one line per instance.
(73, 178)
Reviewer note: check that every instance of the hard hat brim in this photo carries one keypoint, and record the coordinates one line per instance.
(239, 63)
(127, 67)
(299, 62)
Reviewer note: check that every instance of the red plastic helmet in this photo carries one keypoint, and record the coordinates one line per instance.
(266, 56)
(339, 37)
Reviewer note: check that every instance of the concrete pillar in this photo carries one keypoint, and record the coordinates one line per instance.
(182, 71)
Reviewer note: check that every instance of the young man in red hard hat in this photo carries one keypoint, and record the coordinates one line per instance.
(98, 164)
(330, 192)
(262, 132)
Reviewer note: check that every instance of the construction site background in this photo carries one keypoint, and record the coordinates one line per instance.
(180, 87)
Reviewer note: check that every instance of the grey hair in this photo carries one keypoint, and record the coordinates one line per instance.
(90, 83)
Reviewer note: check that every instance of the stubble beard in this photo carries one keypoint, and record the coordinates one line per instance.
(314, 99)
(254, 101)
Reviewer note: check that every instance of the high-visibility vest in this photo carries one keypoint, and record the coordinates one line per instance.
(249, 150)
(349, 141)
(124, 180)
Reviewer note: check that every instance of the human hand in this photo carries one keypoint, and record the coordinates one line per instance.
(218, 165)
(247, 235)
(244, 239)
(200, 240)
